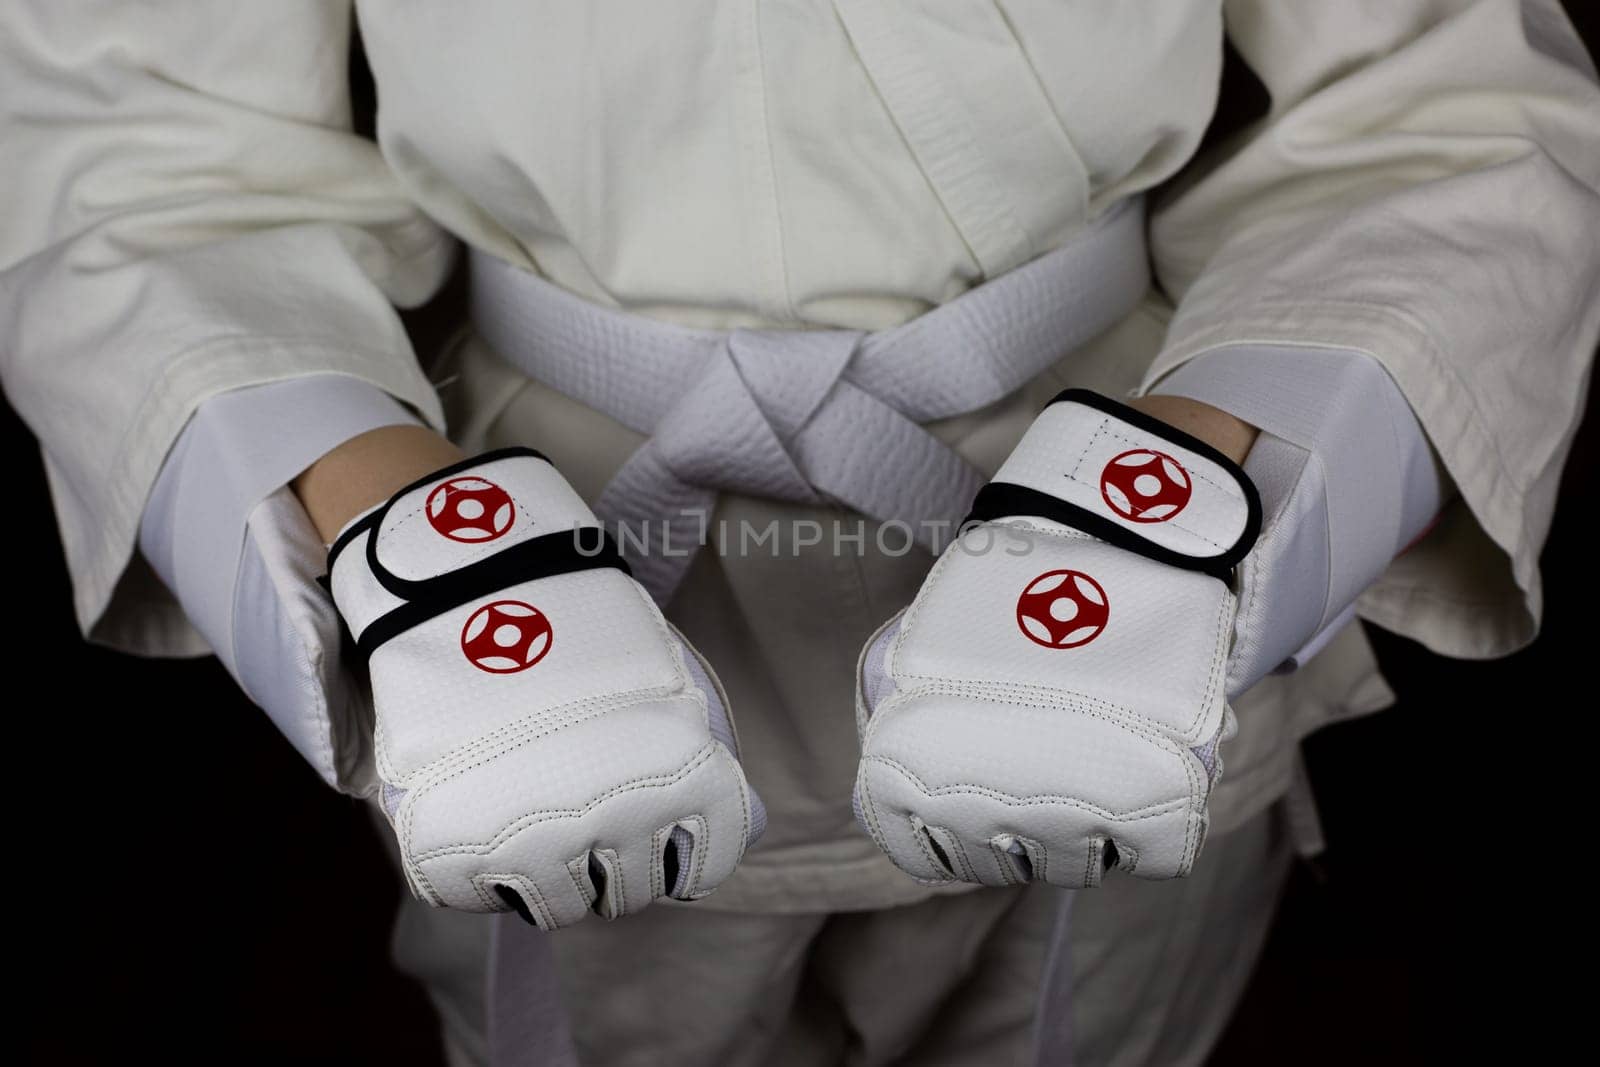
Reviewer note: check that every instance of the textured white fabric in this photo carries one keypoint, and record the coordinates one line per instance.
(238, 553)
(805, 415)
(239, 447)
(1348, 218)
(1348, 482)
(1048, 696)
(290, 656)
(190, 212)
(531, 737)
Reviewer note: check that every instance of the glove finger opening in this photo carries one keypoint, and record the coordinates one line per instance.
(939, 853)
(1022, 856)
(597, 869)
(1103, 856)
(677, 858)
(514, 900)
(669, 864)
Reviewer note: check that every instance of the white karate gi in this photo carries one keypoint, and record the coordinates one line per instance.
(188, 214)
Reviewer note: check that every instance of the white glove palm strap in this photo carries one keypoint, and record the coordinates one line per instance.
(546, 741)
(1051, 702)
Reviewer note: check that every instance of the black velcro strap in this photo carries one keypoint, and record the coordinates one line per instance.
(559, 552)
(374, 518)
(562, 552)
(999, 500)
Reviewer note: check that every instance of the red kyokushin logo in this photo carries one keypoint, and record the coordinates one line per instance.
(1063, 609)
(1145, 486)
(506, 636)
(470, 509)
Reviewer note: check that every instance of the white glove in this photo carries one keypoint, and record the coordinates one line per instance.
(1347, 478)
(547, 742)
(1051, 703)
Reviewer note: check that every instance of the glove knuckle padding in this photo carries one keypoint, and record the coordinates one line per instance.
(532, 732)
(611, 642)
(565, 792)
(1093, 751)
(1048, 692)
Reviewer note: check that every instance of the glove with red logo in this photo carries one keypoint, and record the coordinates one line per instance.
(547, 742)
(1051, 703)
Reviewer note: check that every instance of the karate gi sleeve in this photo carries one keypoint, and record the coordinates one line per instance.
(1425, 190)
(187, 212)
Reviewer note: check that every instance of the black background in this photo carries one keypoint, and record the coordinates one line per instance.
(183, 887)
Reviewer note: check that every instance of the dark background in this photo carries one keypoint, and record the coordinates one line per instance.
(187, 889)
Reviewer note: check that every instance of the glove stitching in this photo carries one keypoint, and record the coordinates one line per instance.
(508, 731)
(474, 553)
(939, 566)
(1197, 810)
(541, 723)
(702, 850)
(618, 892)
(960, 850)
(483, 896)
(1149, 811)
(586, 893)
(1127, 721)
(1227, 488)
(455, 768)
(1194, 801)
(671, 639)
(1223, 628)
(658, 870)
(684, 685)
(525, 820)
(1006, 691)
(1008, 873)
(696, 859)
(1219, 664)
(435, 898)
(1041, 866)
(744, 808)
(1077, 464)
(539, 902)
(530, 891)
(1022, 522)
(1072, 476)
(403, 835)
(1191, 842)
(919, 835)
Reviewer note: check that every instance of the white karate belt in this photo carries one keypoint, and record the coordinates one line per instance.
(811, 416)
(803, 415)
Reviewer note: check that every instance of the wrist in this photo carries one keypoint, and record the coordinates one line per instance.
(1231, 436)
(367, 470)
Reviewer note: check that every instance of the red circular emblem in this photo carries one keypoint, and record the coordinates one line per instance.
(506, 636)
(1145, 486)
(470, 509)
(1063, 609)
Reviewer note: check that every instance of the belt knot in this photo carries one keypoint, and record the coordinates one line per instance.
(738, 427)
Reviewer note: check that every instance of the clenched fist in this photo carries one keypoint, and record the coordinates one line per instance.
(1052, 701)
(547, 742)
